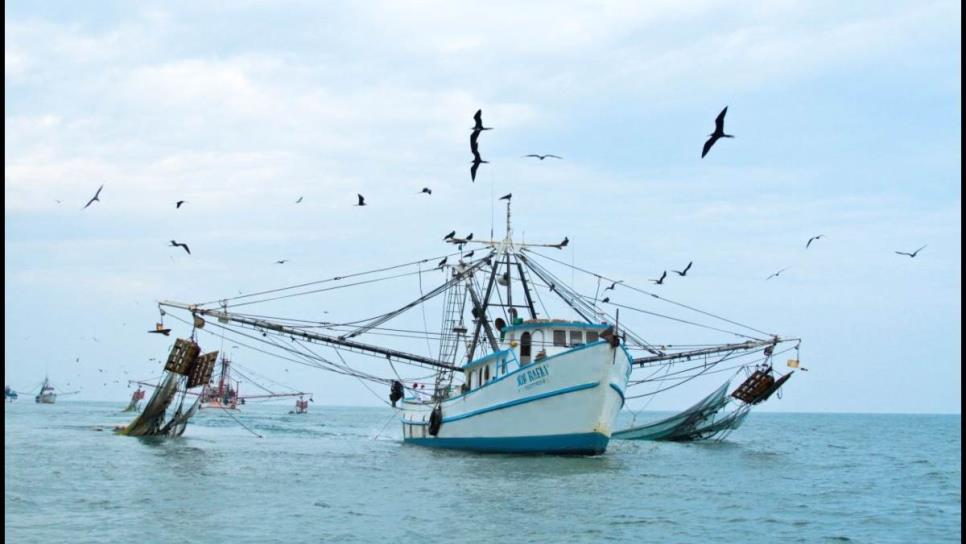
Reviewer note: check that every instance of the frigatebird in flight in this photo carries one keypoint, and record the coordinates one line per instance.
(507, 196)
(718, 132)
(426, 190)
(660, 280)
(685, 271)
(95, 199)
(911, 255)
(613, 285)
(362, 200)
(179, 203)
(776, 273)
(541, 157)
(478, 117)
(812, 239)
(477, 160)
(177, 244)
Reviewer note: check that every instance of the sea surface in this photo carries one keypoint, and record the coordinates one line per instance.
(342, 474)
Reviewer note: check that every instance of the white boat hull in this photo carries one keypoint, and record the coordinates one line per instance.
(564, 404)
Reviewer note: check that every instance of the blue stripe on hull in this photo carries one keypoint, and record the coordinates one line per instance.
(568, 444)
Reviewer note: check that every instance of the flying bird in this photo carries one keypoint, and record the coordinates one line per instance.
(299, 201)
(718, 132)
(660, 280)
(362, 200)
(812, 239)
(563, 244)
(475, 149)
(541, 157)
(478, 117)
(179, 203)
(685, 271)
(283, 261)
(95, 199)
(185, 246)
(911, 255)
(613, 285)
(452, 234)
(426, 190)
(777, 273)
(507, 196)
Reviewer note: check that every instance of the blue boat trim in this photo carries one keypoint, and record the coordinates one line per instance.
(525, 367)
(552, 324)
(615, 387)
(481, 360)
(573, 444)
(630, 358)
(508, 404)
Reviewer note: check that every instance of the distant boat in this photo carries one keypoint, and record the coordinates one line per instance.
(301, 407)
(46, 395)
(9, 394)
(135, 404)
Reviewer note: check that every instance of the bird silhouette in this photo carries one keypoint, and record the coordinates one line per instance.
(478, 117)
(776, 273)
(159, 329)
(185, 246)
(179, 203)
(475, 149)
(660, 280)
(95, 199)
(426, 190)
(913, 254)
(718, 132)
(563, 244)
(441, 263)
(685, 271)
(283, 261)
(452, 234)
(606, 299)
(299, 201)
(362, 200)
(507, 196)
(812, 239)
(470, 254)
(613, 285)
(468, 238)
(541, 157)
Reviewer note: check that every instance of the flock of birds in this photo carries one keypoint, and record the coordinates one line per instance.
(476, 130)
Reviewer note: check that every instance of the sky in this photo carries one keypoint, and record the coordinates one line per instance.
(847, 123)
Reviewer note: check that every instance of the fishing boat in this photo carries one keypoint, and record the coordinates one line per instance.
(135, 404)
(46, 394)
(224, 394)
(301, 407)
(507, 377)
(9, 394)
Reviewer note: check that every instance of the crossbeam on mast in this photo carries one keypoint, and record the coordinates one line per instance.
(743, 346)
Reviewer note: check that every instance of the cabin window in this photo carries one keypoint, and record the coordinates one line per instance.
(591, 336)
(486, 376)
(576, 338)
(560, 338)
(525, 348)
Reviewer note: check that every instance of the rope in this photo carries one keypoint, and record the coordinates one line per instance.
(239, 422)
(336, 278)
(651, 294)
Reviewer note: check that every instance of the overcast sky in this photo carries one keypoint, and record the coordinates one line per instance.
(847, 124)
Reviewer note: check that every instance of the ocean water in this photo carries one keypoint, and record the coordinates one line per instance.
(342, 475)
